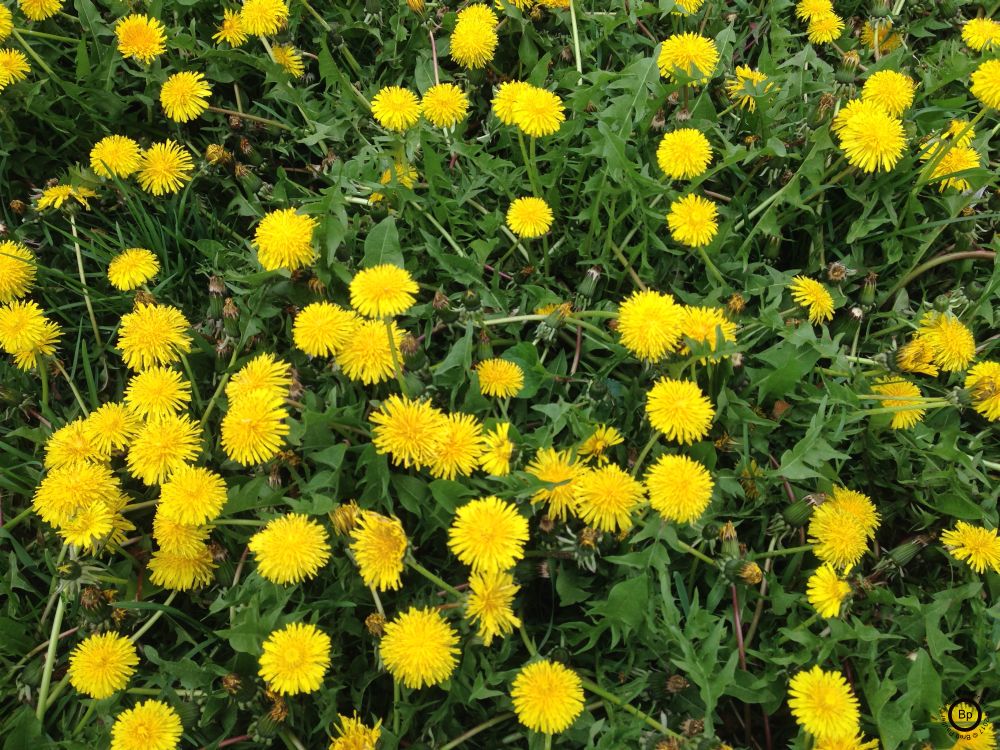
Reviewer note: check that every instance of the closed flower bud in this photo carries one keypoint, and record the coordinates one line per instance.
(588, 538)
(589, 284)
(850, 60)
(235, 122)
(231, 317)
(417, 6)
(471, 301)
(751, 574)
(677, 683)
(868, 290)
(345, 517)
(18, 207)
(798, 513)
(375, 624)
(736, 304)
(837, 271)
(692, 727)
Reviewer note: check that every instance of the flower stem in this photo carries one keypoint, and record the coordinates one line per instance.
(43, 374)
(696, 553)
(451, 744)
(72, 387)
(45, 35)
(780, 552)
(528, 165)
(83, 279)
(596, 689)
(433, 578)
(396, 368)
(576, 40)
(238, 522)
(50, 659)
(34, 55)
(712, 269)
(152, 620)
(317, 16)
(253, 118)
(644, 452)
(7, 526)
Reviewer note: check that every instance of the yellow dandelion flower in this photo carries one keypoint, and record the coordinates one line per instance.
(352, 734)
(290, 59)
(295, 659)
(649, 324)
(132, 268)
(283, 239)
(852, 109)
(826, 591)
(497, 450)
(24, 332)
(684, 154)
(115, 156)
(157, 391)
(231, 30)
(747, 86)
(986, 83)
(547, 696)
(872, 139)
(153, 335)
(902, 395)
(444, 105)
(981, 34)
(17, 270)
(192, 495)
(367, 353)
(41, 343)
(679, 488)
(982, 381)
(403, 173)
(917, 356)
(165, 168)
(163, 445)
(39, 10)
(474, 40)
(112, 426)
(72, 443)
(950, 341)
(975, 545)
(184, 96)
(679, 410)
(688, 58)
(880, 37)
(419, 648)
(178, 538)
(6, 22)
(890, 89)
(457, 447)
(181, 572)
(595, 447)
(407, 430)
(101, 664)
(529, 217)
(499, 378)
(538, 112)
(322, 328)
(984, 738)
(151, 725)
(264, 17)
(823, 704)
(705, 326)
(688, 6)
(606, 497)
(56, 196)
(88, 527)
(814, 297)
(254, 428)
(488, 534)
(290, 549)
(825, 28)
(504, 99)
(379, 544)
(13, 67)
(839, 536)
(66, 489)
(141, 37)
(561, 471)
(693, 220)
(806, 10)
(849, 742)
(956, 160)
(383, 291)
(490, 604)
(858, 505)
(396, 108)
(264, 373)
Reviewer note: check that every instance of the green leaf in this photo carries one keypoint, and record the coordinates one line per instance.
(382, 245)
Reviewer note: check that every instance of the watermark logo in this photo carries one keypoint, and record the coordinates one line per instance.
(966, 718)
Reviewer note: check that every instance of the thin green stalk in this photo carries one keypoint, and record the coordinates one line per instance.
(548, 737)
(252, 118)
(934, 262)
(527, 165)
(433, 578)
(576, 40)
(194, 383)
(696, 553)
(712, 269)
(396, 367)
(644, 452)
(139, 506)
(83, 279)
(238, 522)
(512, 319)
(588, 326)
(990, 464)
(152, 620)
(86, 717)
(377, 600)
(34, 55)
(43, 374)
(72, 387)
(16, 519)
(46, 35)
(395, 707)
(317, 16)
(220, 387)
(451, 744)
(781, 552)
(596, 689)
(526, 640)
(444, 233)
(50, 659)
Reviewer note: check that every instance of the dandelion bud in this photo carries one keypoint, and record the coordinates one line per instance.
(851, 60)
(375, 624)
(659, 121)
(730, 546)
(736, 304)
(880, 9)
(692, 727)
(798, 513)
(906, 551)
(668, 744)
(279, 709)
(216, 154)
(246, 148)
(417, 6)
(868, 290)
(856, 313)
(231, 317)
(316, 285)
(235, 122)
(18, 207)
(589, 284)
(751, 574)
(836, 271)
(588, 538)
(188, 712)
(471, 300)
(232, 683)
(484, 349)
(677, 683)
(345, 517)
